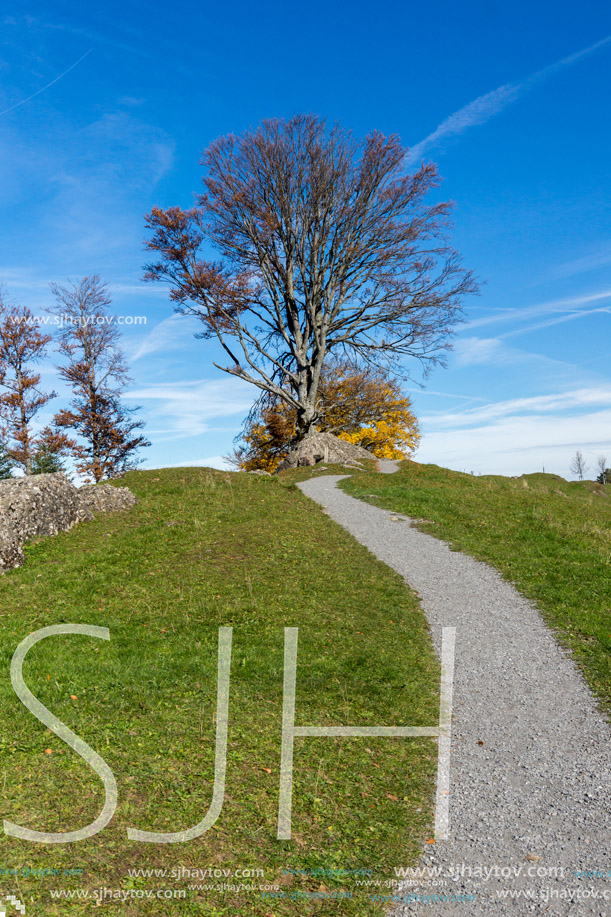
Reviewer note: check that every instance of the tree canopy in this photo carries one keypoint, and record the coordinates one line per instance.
(325, 244)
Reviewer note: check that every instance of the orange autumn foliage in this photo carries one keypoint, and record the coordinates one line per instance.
(22, 347)
(364, 406)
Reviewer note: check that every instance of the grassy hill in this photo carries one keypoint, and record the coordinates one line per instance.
(205, 549)
(548, 536)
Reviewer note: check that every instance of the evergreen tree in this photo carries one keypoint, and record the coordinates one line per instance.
(47, 461)
(6, 464)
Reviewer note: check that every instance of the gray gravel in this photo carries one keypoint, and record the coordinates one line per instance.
(530, 769)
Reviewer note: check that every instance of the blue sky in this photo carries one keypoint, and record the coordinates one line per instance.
(104, 112)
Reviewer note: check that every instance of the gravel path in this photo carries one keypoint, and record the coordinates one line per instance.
(530, 766)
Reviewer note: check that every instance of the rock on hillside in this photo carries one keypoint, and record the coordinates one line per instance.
(45, 504)
(104, 498)
(324, 447)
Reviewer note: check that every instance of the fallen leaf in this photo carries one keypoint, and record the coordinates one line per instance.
(73, 697)
(431, 840)
(48, 751)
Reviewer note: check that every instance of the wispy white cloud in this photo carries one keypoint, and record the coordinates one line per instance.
(476, 112)
(556, 403)
(572, 305)
(131, 149)
(48, 86)
(93, 187)
(521, 435)
(452, 395)
(136, 289)
(585, 313)
(167, 335)
(187, 408)
(520, 445)
(485, 106)
(84, 188)
(472, 352)
(591, 262)
(218, 462)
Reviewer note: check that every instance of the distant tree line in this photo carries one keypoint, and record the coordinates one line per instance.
(96, 430)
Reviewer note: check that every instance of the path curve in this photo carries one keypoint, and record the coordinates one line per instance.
(387, 466)
(531, 754)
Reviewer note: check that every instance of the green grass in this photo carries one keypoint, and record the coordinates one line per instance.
(205, 549)
(550, 537)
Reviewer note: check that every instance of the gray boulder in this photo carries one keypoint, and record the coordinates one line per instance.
(104, 498)
(324, 447)
(45, 504)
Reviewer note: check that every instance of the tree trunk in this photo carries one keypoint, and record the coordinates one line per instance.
(307, 393)
(25, 433)
(305, 423)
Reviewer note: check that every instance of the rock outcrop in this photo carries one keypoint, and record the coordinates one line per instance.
(45, 504)
(104, 498)
(324, 447)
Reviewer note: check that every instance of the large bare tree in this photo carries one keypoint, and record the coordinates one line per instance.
(327, 245)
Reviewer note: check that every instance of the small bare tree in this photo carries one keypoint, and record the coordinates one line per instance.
(22, 346)
(326, 244)
(601, 462)
(95, 369)
(579, 465)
